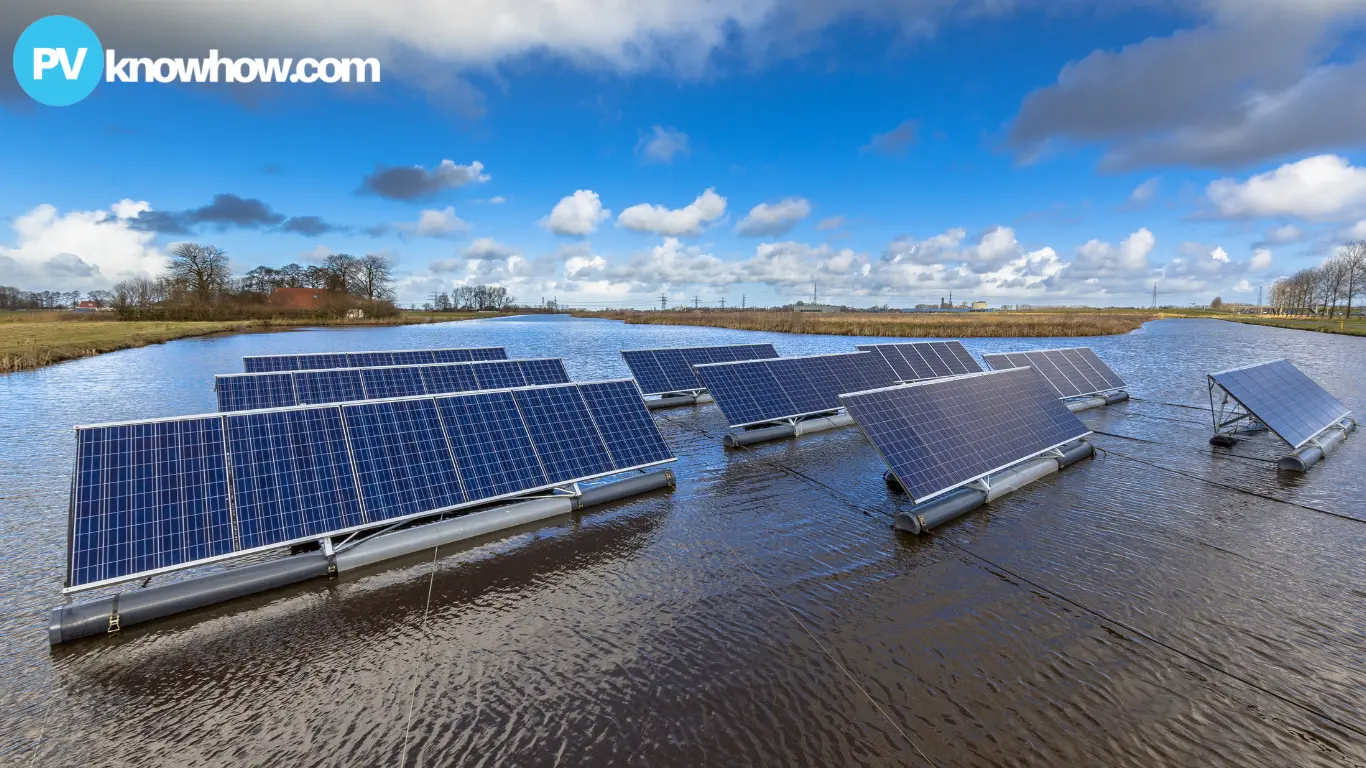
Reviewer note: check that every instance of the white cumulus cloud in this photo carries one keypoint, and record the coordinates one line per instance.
(774, 218)
(578, 214)
(688, 220)
(79, 250)
(434, 223)
(1325, 187)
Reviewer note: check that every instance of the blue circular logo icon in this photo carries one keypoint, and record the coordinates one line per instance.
(58, 60)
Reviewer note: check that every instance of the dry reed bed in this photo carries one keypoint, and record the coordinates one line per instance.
(977, 324)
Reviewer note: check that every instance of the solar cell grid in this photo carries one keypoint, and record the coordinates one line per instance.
(270, 363)
(324, 361)
(392, 382)
(316, 387)
(661, 371)
(565, 437)
(757, 391)
(548, 371)
(368, 359)
(625, 425)
(500, 374)
(443, 379)
(1283, 398)
(292, 475)
(404, 465)
(940, 434)
(414, 357)
(163, 494)
(148, 496)
(918, 360)
(1071, 372)
(242, 393)
(491, 445)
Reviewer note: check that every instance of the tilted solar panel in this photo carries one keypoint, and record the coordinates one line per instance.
(245, 393)
(492, 448)
(158, 495)
(292, 475)
(758, 391)
(1282, 397)
(918, 360)
(368, 359)
(315, 387)
(661, 371)
(500, 374)
(249, 391)
(1072, 372)
(323, 361)
(395, 381)
(403, 463)
(440, 379)
(940, 434)
(565, 437)
(148, 496)
(629, 432)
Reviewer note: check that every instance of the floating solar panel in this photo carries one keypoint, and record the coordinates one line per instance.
(788, 388)
(1280, 396)
(153, 496)
(1071, 372)
(247, 391)
(941, 434)
(325, 360)
(919, 360)
(663, 371)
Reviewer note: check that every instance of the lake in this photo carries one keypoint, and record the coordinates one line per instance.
(1165, 603)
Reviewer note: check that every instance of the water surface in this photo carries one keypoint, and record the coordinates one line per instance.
(1167, 603)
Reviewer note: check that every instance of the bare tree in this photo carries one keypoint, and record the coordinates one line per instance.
(204, 269)
(375, 276)
(1353, 258)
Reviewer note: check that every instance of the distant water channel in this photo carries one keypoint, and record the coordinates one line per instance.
(1140, 609)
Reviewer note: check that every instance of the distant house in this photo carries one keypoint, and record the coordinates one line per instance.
(299, 298)
(805, 307)
(90, 306)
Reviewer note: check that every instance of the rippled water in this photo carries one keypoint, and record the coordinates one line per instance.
(1140, 609)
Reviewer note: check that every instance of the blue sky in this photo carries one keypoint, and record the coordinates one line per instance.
(1017, 152)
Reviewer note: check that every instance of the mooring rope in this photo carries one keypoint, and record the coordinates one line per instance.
(422, 626)
(1309, 708)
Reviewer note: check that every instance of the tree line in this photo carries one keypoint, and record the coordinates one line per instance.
(472, 298)
(202, 275)
(1324, 289)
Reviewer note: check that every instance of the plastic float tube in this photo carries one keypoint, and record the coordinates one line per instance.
(764, 434)
(675, 401)
(960, 501)
(109, 614)
(1306, 456)
(1096, 401)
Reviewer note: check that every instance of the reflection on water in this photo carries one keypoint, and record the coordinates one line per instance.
(1138, 609)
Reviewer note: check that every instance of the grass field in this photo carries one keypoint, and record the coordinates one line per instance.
(1354, 327)
(978, 324)
(35, 339)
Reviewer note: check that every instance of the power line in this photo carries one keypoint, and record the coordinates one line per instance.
(663, 301)
(723, 302)
(697, 302)
(1154, 295)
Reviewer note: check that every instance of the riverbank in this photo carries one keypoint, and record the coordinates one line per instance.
(34, 340)
(1354, 327)
(1099, 322)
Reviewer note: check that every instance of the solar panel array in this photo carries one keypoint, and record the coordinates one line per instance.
(1071, 372)
(156, 495)
(940, 434)
(918, 360)
(250, 391)
(324, 360)
(759, 391)
(660, 371)
(1283, 398)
